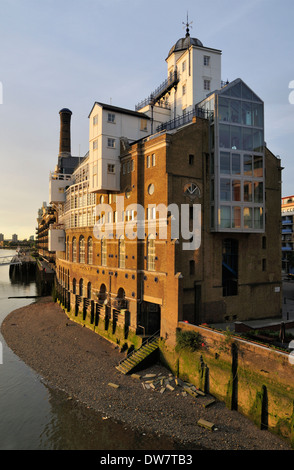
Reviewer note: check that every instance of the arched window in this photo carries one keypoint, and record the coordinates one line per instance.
(90, 251)
(81, 287)
(102, 294)
(151, 253)
(74, 250)
(103, 252)
(121, 253)
(82, 249)
(74, 286)
(89, 290)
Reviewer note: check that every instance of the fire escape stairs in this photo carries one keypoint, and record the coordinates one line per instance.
(136, 358)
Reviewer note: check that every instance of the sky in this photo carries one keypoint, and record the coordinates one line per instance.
(71, 53)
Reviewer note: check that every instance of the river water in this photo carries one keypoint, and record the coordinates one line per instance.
(34, 416)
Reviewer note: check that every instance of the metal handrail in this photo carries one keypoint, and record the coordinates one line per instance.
(148, 340)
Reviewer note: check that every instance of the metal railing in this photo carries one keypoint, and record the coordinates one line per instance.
(148, 340)
(185, 119)
(160, 91)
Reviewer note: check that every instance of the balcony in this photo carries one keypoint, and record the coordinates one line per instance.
(58, 183)
(185, 119)
(56, 238)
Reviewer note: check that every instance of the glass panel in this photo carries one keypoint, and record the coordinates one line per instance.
(257, 141)
(247, 139)
(236, 190)
(235, 137)
(235, 111)
(223, 109)
(258, 192)
(236, 90)
(236, 222)
(258, 217)
(225, 217)
(247, 167)
(236, 164)
(247, 214)
(225, 189)
(247, 191)
(247, 114)
(224, 136)
(225, 163)
(258, 166)
(257, 113)
(246, 92)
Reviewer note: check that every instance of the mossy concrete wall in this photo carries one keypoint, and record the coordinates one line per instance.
(255, 380)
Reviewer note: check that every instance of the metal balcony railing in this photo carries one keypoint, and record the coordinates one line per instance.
(185, 119)
(160, 91)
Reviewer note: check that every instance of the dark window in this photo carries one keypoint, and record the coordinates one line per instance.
(230, 267)
(191, 159)
(192, 267)
(264, 243)
(264, 264)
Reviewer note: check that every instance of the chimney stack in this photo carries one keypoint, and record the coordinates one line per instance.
(64, 142)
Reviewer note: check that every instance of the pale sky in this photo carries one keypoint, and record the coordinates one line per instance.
(71, 53)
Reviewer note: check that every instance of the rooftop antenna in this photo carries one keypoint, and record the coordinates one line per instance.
(187, 25)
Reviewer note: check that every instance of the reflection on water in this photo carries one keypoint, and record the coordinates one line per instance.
(35, 416)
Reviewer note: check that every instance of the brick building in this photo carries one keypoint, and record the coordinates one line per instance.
(174, 213)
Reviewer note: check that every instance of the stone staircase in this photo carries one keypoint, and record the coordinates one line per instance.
(136, 358)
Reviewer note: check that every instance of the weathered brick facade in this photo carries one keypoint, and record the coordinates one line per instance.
(178, 284)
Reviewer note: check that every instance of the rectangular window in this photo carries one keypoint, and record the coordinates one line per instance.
(248, 191)
(258, 192)
(230, 267)
(95, 120)
(111, 117)
(110, 168)
(132, 165)
(236, 222)
(247, 216)
(206, 60)
(183, 90)
(236, 190)
(191, 159)
(111, 143)
(236, 164)
(153, 159)
(207, 85)
(225, 166)
(247, 165)
(225, 217)
(148, 161)
(95, 144)
(258, 217)
(224, 136)
(258, 166)
(184, 66)
(264, 264)
(192, 267)
(225, 189)
(143, 124)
